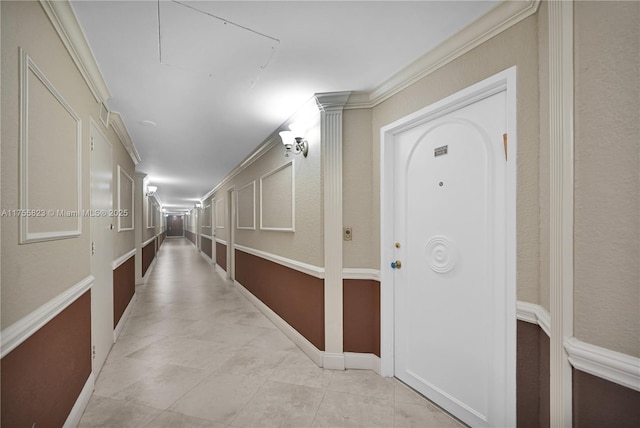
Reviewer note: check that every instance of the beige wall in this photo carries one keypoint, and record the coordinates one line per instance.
(607, 181)
(516, 46)
(124, 241)
(34, 273)
(306, 243)
(28, 278)
(357, 196)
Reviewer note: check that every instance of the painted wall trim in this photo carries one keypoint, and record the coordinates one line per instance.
(221, 241)
(123, 318)
(81, 403)
(220, 271)
(208, 237)
(66, 24)
(27, 65)
(561, 184)
(361, 361)
(207, 258)
(119, 201)
(534, 314)
(301, 342)
(613, 366)
(22, 329)
(292, 227)
(502, 17)
(361, 273)
(116, 122)
(312, 270)
(123, 258)
(149, 241)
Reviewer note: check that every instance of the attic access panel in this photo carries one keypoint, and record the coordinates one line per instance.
(198, 41)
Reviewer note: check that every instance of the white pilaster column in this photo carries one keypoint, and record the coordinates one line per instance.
(139, 221)
(331, 106)
(561, 206)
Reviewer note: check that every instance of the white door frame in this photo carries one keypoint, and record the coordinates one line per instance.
(492, 85)
(231, 238)
(94, 222)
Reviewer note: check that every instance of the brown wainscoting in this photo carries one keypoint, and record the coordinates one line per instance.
(600, 403)
(361, 316)
(43, 377)
(124, 287)
(190, 236)
(148, 253)
(161, 238)
(296, 297)
(206, 246)
(532, 376)
(221, 255)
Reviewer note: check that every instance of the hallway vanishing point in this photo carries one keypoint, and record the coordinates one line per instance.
(195, 353)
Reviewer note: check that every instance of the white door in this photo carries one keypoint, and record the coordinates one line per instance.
(102, 253)
(452, 326)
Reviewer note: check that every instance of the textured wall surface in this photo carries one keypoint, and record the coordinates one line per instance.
(357, 198)
(607, 181)
(27, 279)
(306, 243)
(516, 46)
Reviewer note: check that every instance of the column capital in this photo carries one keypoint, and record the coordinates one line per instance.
(332, 101)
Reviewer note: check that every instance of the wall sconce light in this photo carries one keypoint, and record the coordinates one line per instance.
(198, 205)
(295, 145)
(151, 190)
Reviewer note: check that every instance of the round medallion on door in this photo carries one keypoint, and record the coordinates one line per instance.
(441, 254)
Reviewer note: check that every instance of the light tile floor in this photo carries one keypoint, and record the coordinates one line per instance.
(196, 353)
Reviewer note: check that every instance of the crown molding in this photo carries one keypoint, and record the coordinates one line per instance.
(66, 24)
(116, 122)
(503, 16)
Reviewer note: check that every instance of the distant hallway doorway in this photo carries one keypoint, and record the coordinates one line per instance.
(175, 225)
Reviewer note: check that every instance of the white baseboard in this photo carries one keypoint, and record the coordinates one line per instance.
(124, 317)
(316, 355)
(333, 361)
(360, 361)
(81, 403)
(144, 279)
(221, 271)
(207, 258)
(21, 330)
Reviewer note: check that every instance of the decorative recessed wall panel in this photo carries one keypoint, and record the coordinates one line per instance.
(151, 213)
(246, 209)
(125, 201)
(206, 216)
(277, 199)
(50, 138)
(220, 213)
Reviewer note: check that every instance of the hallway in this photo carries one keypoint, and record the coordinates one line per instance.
(195, 353)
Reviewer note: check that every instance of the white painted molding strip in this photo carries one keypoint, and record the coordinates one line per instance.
(361, 361)
(315, 271)
(66, 24)
(207, 236)
(206, 257)
(613, 366)
(221, 241)
(534, 314)
(124, 317)
(502, 17)
(148, 241)
(123, 258)
(121, 131)
(81, 403)
(22, 329)
(299, 340)
(361, 273)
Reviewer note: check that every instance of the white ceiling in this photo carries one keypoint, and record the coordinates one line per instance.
(233, 71)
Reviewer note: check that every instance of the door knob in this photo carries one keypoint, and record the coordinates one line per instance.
(396, 265)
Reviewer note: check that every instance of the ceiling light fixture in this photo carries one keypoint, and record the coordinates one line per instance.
(295, 145)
